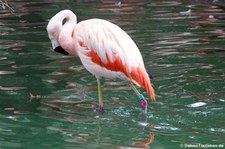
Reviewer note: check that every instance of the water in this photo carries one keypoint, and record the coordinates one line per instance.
(50, 101)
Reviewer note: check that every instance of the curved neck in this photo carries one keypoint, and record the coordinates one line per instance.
(67, 35)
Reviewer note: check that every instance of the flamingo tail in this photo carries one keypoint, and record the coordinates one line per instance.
(140, 77)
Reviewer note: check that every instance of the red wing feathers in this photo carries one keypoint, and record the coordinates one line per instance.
(137, 74)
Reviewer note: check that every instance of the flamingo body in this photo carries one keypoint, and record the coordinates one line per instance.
(105, 49)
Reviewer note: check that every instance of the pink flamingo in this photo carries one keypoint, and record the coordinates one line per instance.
(105, 50)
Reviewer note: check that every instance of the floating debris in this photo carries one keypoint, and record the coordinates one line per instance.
(32, 96)
(119, 3)
(211, 16)
(197, 104)
(185, 13)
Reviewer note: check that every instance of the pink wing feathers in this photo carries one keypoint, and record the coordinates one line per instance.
(102, 44)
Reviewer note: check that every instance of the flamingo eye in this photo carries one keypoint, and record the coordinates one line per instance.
(64, 21)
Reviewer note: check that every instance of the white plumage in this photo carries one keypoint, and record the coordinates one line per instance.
(106, 39)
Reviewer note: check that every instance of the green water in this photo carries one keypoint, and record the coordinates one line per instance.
(50, 101)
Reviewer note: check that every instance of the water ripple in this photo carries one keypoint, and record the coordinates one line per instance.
(53, 99)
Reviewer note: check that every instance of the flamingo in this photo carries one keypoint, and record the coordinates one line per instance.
(104, 49)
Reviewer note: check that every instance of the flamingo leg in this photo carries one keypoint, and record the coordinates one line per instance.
(143, 101)
(100, 106)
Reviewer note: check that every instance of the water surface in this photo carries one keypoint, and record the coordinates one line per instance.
(50, 100)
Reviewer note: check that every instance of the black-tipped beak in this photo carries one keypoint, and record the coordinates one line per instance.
(59, 49)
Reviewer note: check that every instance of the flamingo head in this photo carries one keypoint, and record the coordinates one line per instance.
(61, 29)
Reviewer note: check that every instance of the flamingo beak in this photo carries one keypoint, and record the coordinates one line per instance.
(57, 48)
(54, 43)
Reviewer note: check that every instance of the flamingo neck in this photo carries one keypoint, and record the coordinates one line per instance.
(67, 38)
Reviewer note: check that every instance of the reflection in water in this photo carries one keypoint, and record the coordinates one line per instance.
(210, 16)
(147, 143)
(52, 99)
(126, 14)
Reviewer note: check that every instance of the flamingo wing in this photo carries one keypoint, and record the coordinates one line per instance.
(102, 44)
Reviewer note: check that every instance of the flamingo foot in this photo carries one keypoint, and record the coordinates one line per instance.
(144, 105)
(100, 109)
